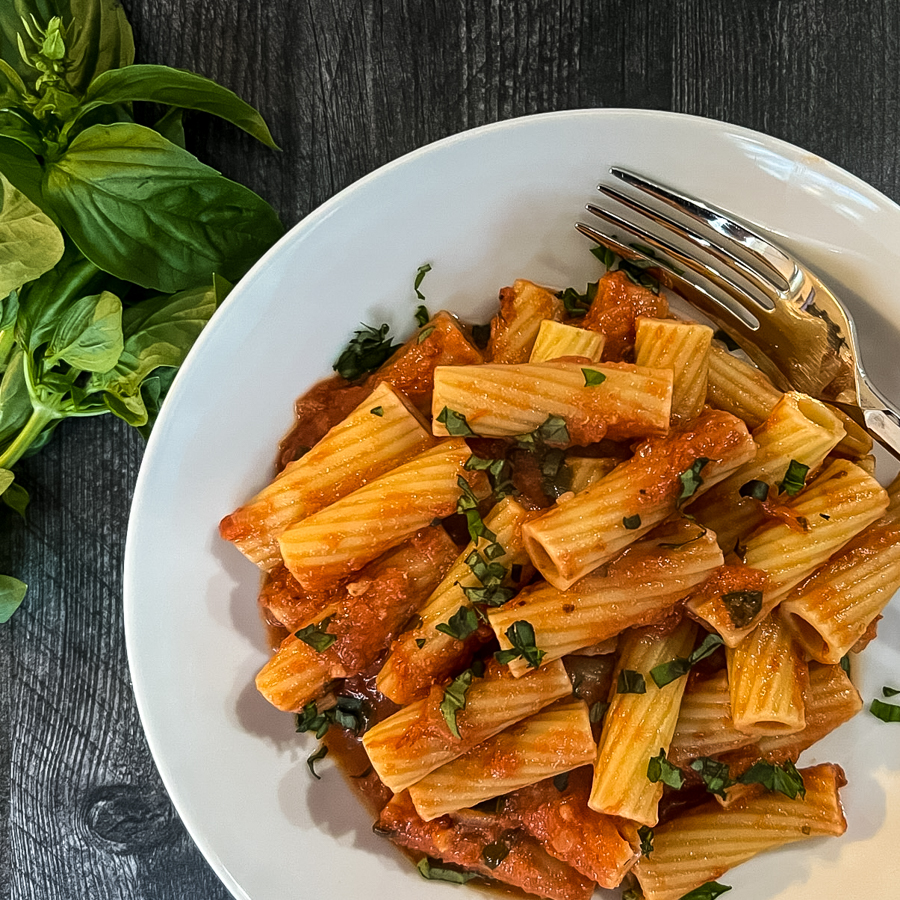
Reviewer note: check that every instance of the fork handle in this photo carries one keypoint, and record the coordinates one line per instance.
(882, 419)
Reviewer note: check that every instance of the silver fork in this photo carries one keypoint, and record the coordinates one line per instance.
(781, 314)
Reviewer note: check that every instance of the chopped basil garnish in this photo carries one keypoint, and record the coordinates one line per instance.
(576, 305)
(493, 854)
(365, 352)
(313, 758)
(742, 606)
(756, 489)
(645, 834)
(498, 473)
(660, 769)
(421, 272)
(521, 636)
(422, 315)
(556, 476)
(889, 692)
(455, 423)
(794, 479)
(630, 682)
(312, 720)
(491, 575)
(887, 712)
(431, 871)
(461, 624)
(708, 891)
(420, 642)
(316, 635)
(785, 778)
(597, 711)
(592, 377)
(553, 430)
(691, 480)
(348, 713)
(632, 522)
(424, 333)
(561, 781)
(467, 505)
(667, 672)
(716, 775)
(455, 699)
(845, 663)
(377, 411)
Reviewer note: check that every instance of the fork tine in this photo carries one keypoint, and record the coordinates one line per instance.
(773, 258)
(764, 285)
(682, 258)
(736, 321)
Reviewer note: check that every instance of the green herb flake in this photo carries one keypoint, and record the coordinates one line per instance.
(576, 304)
(708, 891)
(785, 778)
(366, 352)
(889, 692)
(845, 664)
(455, 699)
(377, 411)
(659, 769)
(554, 431)
(493, 854)
(632, 522)
(756, 489)
(592, 378)
(434, 872)
(420, 642)
(716, 775)
(422, 316)
(455, 423)
(313, 758)
(521, 636)
(887, 712)
(630, 682)
(598, 711)
(561, 781)
(691, 480)
(794, 479)
(668, 672)
(424, 333)
(645, 835)
(742, 606)
(461, 624)
(316, 635)
(467, 505)
(421, 272)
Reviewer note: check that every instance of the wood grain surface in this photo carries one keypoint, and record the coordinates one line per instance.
(348, 85)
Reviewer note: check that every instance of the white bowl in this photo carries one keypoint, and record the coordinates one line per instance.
(484, 207)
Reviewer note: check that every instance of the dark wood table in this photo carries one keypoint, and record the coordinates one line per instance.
(346, 87)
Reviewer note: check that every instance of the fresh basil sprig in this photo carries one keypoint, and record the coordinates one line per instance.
(116, 244)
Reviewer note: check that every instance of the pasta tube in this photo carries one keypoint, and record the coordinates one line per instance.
(618, 402)
(638, 726)
(576, 536)
(637, 588)
(555, 340)
(330, 544)
(553, 741)
(522, 309)
(416, 740)
(702, 844)
(362, 447)
(684, 348)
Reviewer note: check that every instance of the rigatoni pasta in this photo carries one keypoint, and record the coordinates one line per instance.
(572, 587)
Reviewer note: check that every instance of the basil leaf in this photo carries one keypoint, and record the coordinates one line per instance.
(88, 336)
(887, 712)
(708, 891)
(422, 316)
(149, 212)
(24, 172)
(561, 781)
(460, 625)
(592, 377)
(176, 87)
(691, 480)
(14, 90)
(365, 352)
(630, 682)
(424, 333)
(597, 711)
(794, 479)
(15, 401)
(645, 834)
(6, 479)
(377, 411)
(12, 593)
(455, 423)
(716, 775)
(632, 522)
(576, 305)
(317, 635)
(313, 758)
(785, 778)
(756, 489)
(553, 431)
(171, 126)
(494, 853)
(521, 636)
(667, 672)
(467, 505)
(421, 272)
(433, 872)
(889, 692)
(660, 769)
(455, 699)
(30, 244)
(742, 606)
(16, 498)
(158, 332)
